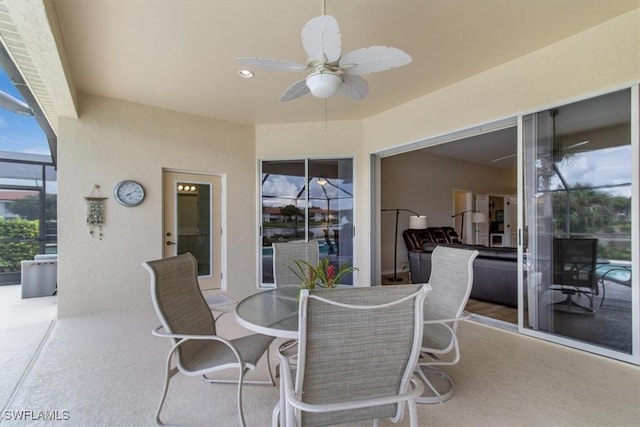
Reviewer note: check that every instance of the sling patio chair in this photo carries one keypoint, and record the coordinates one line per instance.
(357, 352)
(574, 273)
(187, 320)
(451, 280)
(284, 255)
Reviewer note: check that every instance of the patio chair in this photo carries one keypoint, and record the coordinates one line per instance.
(574, 272)
(451, 280)
(357, 353)
(186, 319)
(283, 256)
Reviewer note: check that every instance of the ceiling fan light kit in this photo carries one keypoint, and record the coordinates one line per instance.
(331, 72)
(323, 84)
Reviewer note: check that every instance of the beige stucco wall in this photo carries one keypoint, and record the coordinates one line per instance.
(115, 140)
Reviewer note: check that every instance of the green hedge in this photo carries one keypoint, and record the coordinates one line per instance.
(12, 252)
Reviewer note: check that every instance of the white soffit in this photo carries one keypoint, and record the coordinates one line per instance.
(35, 54)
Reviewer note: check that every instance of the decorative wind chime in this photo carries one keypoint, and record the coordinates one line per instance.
(95, 211)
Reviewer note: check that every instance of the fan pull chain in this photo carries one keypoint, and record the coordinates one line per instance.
(325, 116)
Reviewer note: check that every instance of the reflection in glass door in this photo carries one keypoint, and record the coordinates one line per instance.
(192, 213)
(307, 199)
(194, 227)
(578, 224)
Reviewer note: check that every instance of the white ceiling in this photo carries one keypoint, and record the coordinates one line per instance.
(180, 54)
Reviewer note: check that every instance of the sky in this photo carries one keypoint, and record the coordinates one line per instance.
(287, 188)
(19, 133)
(610, 166)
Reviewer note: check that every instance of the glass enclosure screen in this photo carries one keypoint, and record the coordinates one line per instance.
(577, 241)
(308, 200)
(51, 211)
(194, 223)
(28, 219)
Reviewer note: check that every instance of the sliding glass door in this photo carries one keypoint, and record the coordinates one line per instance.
(307, 199)
(580, 280)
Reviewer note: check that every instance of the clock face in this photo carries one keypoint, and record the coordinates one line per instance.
(129, 193)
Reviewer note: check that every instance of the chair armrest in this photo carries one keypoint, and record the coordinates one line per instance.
(454, 341)
(416, 389)
(452, 320)
(161, 332)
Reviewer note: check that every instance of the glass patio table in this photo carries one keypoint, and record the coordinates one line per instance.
(273, 312)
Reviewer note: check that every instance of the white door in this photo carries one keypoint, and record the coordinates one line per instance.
(511, 221)
(192, 222)
(482, 228)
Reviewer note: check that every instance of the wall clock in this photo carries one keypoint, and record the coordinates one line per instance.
(129, 193)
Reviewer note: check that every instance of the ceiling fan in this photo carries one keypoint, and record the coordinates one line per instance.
(559, 151)
(329, 71)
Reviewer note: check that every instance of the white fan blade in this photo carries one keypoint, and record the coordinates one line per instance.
(273, 64)
(354, 87)
(296, 90)
(577, 144)
(503, 158)
(373, 59)
(321, 39)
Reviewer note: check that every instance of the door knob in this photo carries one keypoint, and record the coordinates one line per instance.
(170, 243)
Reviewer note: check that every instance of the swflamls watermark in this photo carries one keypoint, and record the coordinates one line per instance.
(31, 415)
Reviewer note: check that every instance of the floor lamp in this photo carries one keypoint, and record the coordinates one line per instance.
(478, 217)
(415, 222)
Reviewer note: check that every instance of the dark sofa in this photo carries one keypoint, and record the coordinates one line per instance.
(495, 275)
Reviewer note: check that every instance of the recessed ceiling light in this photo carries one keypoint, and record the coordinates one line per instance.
(247, 74)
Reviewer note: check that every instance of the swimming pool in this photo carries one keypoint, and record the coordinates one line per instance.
(617, 271)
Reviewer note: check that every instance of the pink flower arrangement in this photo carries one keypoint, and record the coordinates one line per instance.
(324, 274)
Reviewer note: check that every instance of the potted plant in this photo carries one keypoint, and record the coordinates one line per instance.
(324, 274)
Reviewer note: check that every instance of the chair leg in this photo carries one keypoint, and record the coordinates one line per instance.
(413, 414)
(275, 415)
(273, 381)
(282, 403)
(240, 379)
(568, 305)
(170, 372)
(434, 393)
